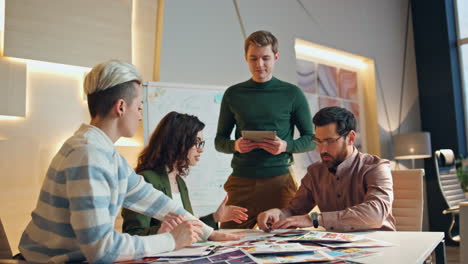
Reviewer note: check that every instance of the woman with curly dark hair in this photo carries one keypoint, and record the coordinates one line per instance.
(176, 144)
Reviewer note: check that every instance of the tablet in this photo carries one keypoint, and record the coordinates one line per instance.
(255, 135)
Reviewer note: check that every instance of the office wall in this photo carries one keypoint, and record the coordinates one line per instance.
(54, 110)
(202, 43)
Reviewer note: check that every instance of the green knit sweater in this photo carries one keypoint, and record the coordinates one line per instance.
(272, 105)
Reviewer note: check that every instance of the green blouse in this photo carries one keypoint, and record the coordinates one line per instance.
(138, 224)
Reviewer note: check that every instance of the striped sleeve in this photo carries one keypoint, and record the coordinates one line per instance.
(91, 187)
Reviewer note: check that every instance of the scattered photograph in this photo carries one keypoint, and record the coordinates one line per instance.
(279, 248)
(344, 262)
(327, 237)
(364, 243)
(316, 256)
(350, 253)
(292, 233)
(234, 256)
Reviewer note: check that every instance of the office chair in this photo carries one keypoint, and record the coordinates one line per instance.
(408, 200)
(450, 187)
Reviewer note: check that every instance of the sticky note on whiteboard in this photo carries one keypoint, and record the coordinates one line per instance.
(218, 98)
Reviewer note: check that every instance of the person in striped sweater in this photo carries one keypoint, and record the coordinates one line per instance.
(88, 182)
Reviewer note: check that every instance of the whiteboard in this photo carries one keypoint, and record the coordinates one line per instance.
(205, 180)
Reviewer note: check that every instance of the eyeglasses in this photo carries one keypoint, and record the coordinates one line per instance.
(200, 144)
(328, 141)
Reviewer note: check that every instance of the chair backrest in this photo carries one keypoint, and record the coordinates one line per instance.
(5, 250)
(447, 178)
(408, 200)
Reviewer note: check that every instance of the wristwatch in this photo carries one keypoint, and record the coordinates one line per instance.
(314, 217)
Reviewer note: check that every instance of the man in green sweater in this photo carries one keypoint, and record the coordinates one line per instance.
(262, 177)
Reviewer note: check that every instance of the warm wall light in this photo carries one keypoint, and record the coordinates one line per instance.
(2, 15)
(54, 67)
(57, 68)
(308, 49)
(2, 24)
(3, 117)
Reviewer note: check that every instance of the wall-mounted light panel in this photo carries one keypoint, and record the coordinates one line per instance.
(12, 88)
(80, 33)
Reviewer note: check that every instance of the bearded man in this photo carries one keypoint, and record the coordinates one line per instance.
(353, 190)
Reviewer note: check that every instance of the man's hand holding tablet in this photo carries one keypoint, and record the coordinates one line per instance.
(266, 140)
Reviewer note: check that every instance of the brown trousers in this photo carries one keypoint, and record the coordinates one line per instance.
(258, 195)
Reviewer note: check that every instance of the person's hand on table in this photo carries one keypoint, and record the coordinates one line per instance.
(187, 233)
(267, 219)
(274, 147)
(226, 213)
(170, 221)
(223, 236)
(293, 222)
(244, 145)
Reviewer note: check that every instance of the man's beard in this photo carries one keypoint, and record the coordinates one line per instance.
(334, 162)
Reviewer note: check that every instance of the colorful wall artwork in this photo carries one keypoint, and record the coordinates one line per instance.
(327, 79)
(328, 85)
(306, 76)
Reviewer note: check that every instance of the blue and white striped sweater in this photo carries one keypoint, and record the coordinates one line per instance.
(86, 185)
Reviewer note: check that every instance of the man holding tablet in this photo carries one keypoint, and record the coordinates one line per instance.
(262, 178)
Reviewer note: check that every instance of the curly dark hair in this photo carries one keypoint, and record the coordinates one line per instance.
(170, 143)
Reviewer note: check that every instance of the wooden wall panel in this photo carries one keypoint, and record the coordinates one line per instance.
(12, 87)
(80, 33)
(144, 36)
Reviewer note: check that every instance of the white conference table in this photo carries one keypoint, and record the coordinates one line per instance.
(410, 247)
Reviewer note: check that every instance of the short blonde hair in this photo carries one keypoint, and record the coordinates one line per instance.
(109, 74)
(108, 82)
